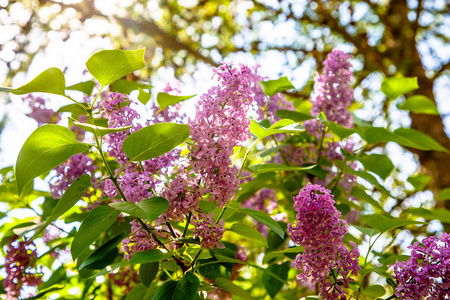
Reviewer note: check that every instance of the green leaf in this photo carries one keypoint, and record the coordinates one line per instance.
(140, 292)
(390, 260)
(125, 86)
(50, 81)
(148, 209)
(270, 283)
(419, 139)
(166, 291)
(272, 87)
(397, 86)
(419, 181)
(248, 232)
(294, 249)
(99, 130)
(341, 131)
(68, 199)
(74, 108)
(165, 100)
(420, 105)
(442, 215)
(227, 285)
(187, 287)
(368, 231)
(263, 132)
(444, 194)
(364, 175)
(271, 167)
(147, 256)
(57, 276)
(101, 253)
(108, 66)
(379, 164)
(154, 207)
(360, 194)
(46, 148)
(144, 96)
(154, 140)
(148, 272)
(265, 219)
(383, 224)
(293, 115)
(95, 224)
(86, 87)
(374, 291)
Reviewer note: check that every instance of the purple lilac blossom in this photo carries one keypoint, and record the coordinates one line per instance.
(208, 230)
(426, 274)
(183, 194)
(68, 171)
(39, 112)
(333, 94)
(19, 263)
(219, 125)
(321, 231)
(140, 240)
(120, 114)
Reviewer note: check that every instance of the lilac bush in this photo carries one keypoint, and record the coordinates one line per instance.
(248, 197)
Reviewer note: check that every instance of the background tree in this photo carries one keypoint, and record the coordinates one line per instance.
(387, 38)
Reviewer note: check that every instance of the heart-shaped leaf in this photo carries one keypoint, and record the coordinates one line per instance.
(154, 140)
(108, 66)
(46, 148)
(50, 81)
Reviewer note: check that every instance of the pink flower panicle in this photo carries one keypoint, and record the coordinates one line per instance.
(120, 114)
(39, 112)
(139, 240)
(208, 230)
(136, 186)
(220, 124)
(333, 94)
(426, 274)
(183, 194)
(321, 231)
(68, 171)
(19, 263)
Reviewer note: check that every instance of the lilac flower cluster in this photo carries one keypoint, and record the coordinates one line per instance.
(68, 171)
(332, 92)
(137, 181)
(139, 240)
(321, 231)
(426, 275)
(120, 114)
(183, 194)
(210, 232)
(220, 124)
(39, 112)
(19, 263)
